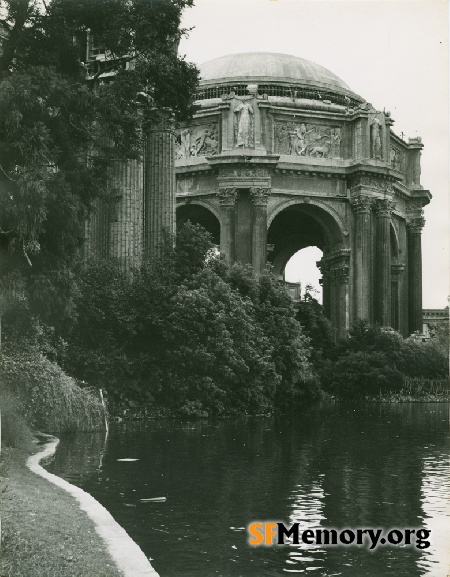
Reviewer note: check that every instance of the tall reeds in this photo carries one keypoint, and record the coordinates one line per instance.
(422, 387)
(46, 396)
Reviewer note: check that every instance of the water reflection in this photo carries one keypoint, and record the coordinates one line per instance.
(333, 466)
(307, 511)
(436, 508)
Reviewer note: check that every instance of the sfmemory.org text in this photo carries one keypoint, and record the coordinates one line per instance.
(276, 533)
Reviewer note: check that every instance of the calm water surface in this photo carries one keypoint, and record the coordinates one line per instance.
(363, 466)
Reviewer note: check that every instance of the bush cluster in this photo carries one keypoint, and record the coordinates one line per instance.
(192, 335)
(376, 361)
(189, 334)
(36, 393)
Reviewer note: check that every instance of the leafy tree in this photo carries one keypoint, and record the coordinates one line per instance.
(61, 125)
(190, 334)
(220, 356)
(192, 248)
(316, 326)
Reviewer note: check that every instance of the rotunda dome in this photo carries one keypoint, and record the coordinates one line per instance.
(270, 70)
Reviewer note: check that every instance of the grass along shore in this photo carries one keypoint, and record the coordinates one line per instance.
(44, 532)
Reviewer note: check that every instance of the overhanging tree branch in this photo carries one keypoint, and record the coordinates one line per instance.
(12, 41)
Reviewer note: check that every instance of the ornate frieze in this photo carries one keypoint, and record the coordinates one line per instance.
(260, 196)
(202, 140)
(227, 196)
(244, 177)
(312, 140)
(383, 207)
(415, 225)
(361, 203)
(367, 181)
(243, 173)
(414, 205)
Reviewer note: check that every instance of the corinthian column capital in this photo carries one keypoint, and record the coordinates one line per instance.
(227, 196)
(384, 207)
(415, 225)
(361, 204)
(260, 196)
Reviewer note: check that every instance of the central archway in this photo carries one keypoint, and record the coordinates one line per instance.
(297, 225)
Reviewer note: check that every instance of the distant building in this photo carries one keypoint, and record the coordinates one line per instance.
(294, 289)
(433, 319)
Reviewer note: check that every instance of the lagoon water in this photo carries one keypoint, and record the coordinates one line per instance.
(355, 466)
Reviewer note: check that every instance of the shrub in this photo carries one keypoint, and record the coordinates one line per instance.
(360, 373)
(418, 359)
(50, 399)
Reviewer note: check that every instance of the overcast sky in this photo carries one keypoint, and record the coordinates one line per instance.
(394, 53)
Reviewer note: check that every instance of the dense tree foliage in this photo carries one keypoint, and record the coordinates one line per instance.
(60, 125)
(316, 326)
(192, 334)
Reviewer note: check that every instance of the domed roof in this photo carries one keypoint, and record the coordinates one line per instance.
(270, 68)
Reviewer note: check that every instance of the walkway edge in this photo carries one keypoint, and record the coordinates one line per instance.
(126, 554)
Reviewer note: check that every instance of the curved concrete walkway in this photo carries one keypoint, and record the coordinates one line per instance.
(126, 554)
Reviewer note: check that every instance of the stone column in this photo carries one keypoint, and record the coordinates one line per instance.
(334, 300)
(227, 200)
(363, 257)
(325, 282)
(383, 210)
(97, 236)
(414, 227)
(260, 197)
(341, 295)
(396, 274)
(159, 184)
(125, 242)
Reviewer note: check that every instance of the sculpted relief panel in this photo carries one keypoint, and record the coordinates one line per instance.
(396, 158)
(200, 140)
(307, 140)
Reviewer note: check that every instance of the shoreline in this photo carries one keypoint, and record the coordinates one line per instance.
(55, 528)
(394, 398)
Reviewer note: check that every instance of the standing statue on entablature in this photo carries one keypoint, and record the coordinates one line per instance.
(375, 139)
(245, 123)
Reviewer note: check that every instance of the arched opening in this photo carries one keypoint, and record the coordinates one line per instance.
(198, 214)
(302, 270)
(300, 235)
